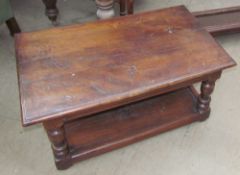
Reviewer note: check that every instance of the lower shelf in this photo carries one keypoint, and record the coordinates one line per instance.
(115, 128)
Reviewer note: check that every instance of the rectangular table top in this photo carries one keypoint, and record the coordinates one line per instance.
(85, 68)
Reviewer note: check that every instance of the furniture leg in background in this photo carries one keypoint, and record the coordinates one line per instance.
(126, 3)
(13, 26)
(130, 4)
(105, 9)
(7, 16)
(122, 4)
(217, 21)
(51, 10)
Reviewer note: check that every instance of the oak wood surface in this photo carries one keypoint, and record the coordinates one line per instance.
(103, 85)
(68, 70)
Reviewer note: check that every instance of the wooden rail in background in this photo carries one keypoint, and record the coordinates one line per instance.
(220, 21)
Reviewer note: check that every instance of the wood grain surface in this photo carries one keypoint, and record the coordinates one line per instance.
(82, 69)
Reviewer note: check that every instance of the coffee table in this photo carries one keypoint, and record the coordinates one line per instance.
(99, 86)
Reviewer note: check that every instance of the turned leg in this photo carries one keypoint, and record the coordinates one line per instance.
(122, 7)
(105, 8)
(130, 6)
(56, 135)
(51, 10)
(13, 26)
(204, 99)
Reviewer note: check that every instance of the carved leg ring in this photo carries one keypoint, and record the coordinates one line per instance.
(59, 147)
(204, 99)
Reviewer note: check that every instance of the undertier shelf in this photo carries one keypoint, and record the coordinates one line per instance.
(103, 132)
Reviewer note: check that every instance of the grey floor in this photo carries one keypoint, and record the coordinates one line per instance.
(208, 148)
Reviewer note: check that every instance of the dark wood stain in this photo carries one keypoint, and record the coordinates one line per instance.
(102, 85)
(59, 53)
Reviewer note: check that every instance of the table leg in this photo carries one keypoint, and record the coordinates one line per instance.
(204, 99)
(105, 8)
(56, 134)
(51, 10)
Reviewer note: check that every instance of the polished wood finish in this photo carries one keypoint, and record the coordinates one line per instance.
(13, 26)
(63, 57)
(77, 79)
(220, 21)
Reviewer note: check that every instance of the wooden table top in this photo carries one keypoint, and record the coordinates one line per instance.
(82, 69)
